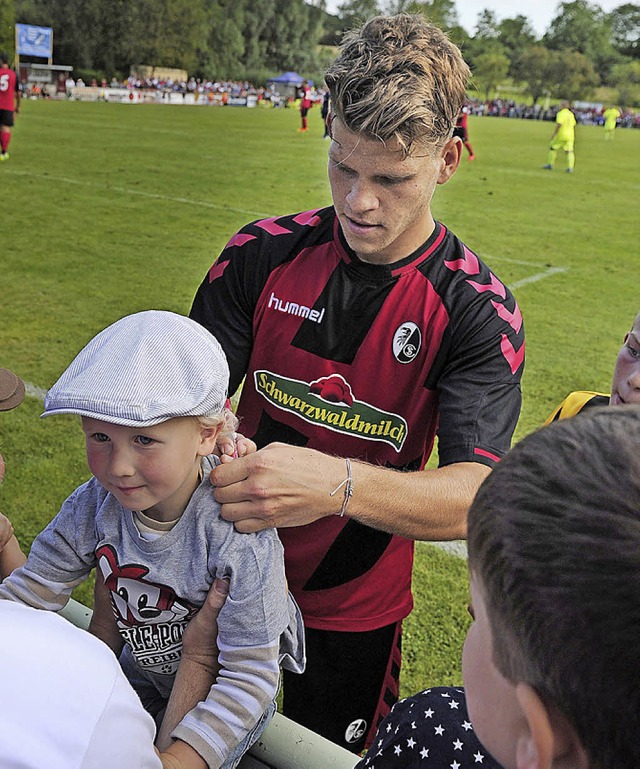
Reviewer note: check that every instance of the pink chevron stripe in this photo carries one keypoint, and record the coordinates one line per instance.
(495, 286)
(217, 269)
(514, 358)
(514, 319)
(488, 454)
(469, 263)
(239, 239)
(307, 218)
(272, 227)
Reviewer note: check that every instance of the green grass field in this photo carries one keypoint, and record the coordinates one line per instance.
(111, 209)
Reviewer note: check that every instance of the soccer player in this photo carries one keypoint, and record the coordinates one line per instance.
(610, 116)
(305, 106)
(563, 138)
(9, 104)
(462, 131)
(363, 328)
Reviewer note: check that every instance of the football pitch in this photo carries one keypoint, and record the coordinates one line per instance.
(114, 208)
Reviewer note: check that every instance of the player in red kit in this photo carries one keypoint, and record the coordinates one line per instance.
(461, 130)
(361, 330)
(9, 103)
(305, 105)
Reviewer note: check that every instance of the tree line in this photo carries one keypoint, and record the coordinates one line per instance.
(583, 48)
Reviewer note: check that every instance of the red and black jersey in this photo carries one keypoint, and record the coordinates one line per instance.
(8, 88)
(364, 361)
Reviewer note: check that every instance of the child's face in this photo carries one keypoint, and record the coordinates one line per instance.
(491, 698)
(151, 469)
(625, 387)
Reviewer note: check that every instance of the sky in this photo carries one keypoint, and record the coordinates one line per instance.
(539, 12)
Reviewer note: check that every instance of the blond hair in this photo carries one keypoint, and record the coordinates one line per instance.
(226, 419)
(398, 78)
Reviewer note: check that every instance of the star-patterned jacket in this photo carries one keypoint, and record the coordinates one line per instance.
(430, 730)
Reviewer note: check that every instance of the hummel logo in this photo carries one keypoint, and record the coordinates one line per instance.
(291, 308)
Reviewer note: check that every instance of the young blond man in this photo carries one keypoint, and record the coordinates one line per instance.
(151, 392)
(360, 330)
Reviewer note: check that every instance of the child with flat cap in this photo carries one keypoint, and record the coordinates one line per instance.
(151, 392)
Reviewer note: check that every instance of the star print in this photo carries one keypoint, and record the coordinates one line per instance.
(428, 713)
(413, 725)
(424, 753)
(445, 694)
(454, 704)
(439, 730)
(397, 750)
(389, 727)
(455, 765)
(466, 726)
(478, 757)
(411, 743)
(457, 745)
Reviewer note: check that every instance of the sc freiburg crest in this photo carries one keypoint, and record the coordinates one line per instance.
(406, 342)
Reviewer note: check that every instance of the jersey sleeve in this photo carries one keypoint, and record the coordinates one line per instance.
(225, 301)
(479, 389)
(227, 298)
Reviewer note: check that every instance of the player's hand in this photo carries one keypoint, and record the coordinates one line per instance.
(230, 446)
(199, 638)
(278, 486)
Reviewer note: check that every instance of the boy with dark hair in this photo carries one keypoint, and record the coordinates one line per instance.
(554, 559)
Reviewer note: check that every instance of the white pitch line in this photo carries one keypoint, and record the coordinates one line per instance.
(457, 547)
(34, 392)
(535, 278)
(141, 193)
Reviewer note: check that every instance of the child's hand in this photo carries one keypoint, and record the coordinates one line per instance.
(232, 446)
(11, 555)
(6, 531)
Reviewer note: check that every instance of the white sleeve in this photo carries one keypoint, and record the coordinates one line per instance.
(123, 735)
(68, 704)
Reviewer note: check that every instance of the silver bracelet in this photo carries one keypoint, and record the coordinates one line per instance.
(348, 489)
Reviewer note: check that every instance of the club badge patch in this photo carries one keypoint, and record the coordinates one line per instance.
(406, 342)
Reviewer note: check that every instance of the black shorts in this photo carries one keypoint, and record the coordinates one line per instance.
(460, 133)
(350, 684)
(304, 111)
(6, 117)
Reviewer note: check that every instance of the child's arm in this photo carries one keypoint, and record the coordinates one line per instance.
(103, 623)
(11, 556)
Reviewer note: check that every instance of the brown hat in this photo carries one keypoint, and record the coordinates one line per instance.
(11, 390)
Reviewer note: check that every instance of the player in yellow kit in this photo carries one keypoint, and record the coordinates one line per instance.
(610, 116)
(563, 138)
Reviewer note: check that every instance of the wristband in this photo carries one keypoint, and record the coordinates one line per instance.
(348, 489)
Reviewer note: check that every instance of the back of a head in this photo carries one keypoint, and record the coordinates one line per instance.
(4, 59)
(554, 539)
(398, 77)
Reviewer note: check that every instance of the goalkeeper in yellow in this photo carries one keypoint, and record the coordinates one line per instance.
(563, 138)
